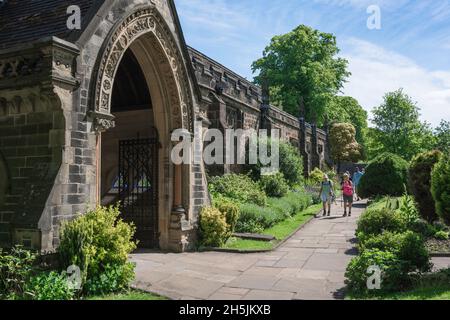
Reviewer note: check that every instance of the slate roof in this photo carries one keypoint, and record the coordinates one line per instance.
(23, 21)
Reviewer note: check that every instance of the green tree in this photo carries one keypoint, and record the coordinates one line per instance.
(442, 134)
(343, 143)
(302, 69)
(347, 109)
(398, 129)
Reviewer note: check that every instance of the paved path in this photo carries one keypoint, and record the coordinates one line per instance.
(310, 265)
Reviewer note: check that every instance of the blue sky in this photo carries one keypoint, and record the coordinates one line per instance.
(411, 50)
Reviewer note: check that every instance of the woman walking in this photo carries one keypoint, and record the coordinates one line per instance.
(347, 191)
(326, 194)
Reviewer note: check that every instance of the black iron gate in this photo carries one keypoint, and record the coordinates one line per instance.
(138, 188)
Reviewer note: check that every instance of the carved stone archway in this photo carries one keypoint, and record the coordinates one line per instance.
(146, 33)
(146, 21)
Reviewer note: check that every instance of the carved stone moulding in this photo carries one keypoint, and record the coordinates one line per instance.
(27, 101)
(44, 60)
(147, 21)
(101, 122)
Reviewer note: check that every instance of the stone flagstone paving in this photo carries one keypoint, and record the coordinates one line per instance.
(309, 266)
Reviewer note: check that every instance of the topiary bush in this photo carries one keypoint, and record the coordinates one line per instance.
(419, 180)
(375, 221)
(274, 185)
(49, 286)
(440, 187)
(96, 240)
(392, 275)
(407, 246)
(385, 175)
(214, 230)
(231, 211)
(238, 187)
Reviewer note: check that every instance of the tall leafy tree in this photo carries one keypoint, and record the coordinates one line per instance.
(398, 128)
(302, 69)
(442, 134)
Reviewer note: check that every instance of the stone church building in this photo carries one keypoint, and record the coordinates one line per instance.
(86, 117)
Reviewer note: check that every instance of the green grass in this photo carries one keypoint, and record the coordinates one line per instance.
(280, 231)
(440, 292)
(129, 296)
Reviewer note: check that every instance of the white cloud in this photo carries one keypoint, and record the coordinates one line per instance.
(376, 71)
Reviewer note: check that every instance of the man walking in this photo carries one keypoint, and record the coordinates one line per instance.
(356, 177)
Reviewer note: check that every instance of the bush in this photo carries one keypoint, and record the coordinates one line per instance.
(240, 188)
(316, 176)
(283, 207)
(419, 180)
(298, 200)
(385, 175)
(291, 163)
(392, 275)
(408, 210)
(263, 217)
(423, 228)
(95, 240)
(231, 211)
(249, 226)
(409, 247)
(114, 278)
(274, 185)
(374, 221)
(49, 286)
(440, 188)
(442, 235)
(214, 230)
(16, 268)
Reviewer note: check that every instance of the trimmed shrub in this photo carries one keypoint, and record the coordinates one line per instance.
(385, 175)
(238, 187)
(408, 247)
(16, 268)
(231, 211)
(440, 188)
(214, 230)
(95, 240)
(375, 221)
(419, 180)
(274, 185)
(114, 278)
(392, 275)
(49, 286)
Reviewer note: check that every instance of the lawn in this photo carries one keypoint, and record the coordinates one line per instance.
(280, 231)
(441, 292)
(132, 295)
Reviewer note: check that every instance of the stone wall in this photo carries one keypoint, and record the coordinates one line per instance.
(232, 102)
